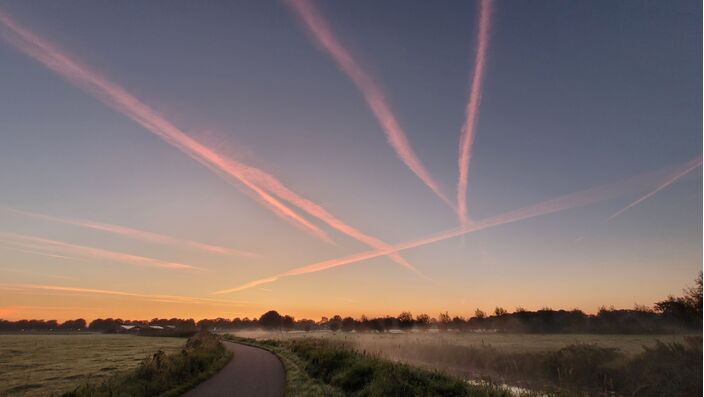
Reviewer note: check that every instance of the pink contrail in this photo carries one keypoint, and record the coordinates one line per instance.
(578, 199)
(43, 244)
(135, 234)
(116, 97)
(93, 291)
(321, 31)
(689, 167)
(472, 109)
(119, 99)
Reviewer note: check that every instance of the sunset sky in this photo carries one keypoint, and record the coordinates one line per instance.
(220, 159)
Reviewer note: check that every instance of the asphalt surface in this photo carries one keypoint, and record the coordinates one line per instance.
(252, 372)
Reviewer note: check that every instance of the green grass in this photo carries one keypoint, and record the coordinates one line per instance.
(41, 365)
(163, 374)
(317, 367)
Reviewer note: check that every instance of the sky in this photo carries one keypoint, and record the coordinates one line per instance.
(220, 159)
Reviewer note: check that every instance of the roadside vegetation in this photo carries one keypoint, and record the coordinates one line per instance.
(164, 374)
(339, 369)
(317, 367)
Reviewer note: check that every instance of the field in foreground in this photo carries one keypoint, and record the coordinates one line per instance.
(34, 365)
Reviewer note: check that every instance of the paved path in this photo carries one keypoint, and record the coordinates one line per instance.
(252, 372)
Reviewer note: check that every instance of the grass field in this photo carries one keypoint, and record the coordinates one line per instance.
(41, 365)
(400, 345)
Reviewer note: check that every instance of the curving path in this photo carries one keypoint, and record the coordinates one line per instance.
(251, 372)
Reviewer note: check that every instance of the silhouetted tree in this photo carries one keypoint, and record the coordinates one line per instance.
(73, 325)
(405, 321)
(348, 324)
(458, 323)
(444, 321)
(288, 322)
(423, 321)
(271, 320)
(335, 323)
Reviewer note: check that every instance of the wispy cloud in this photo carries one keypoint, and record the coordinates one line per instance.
(19, 247)
(27, 272)
(131, 233)
(573, 200)
(118, 98)
(93, 291)
(63, 248)
(264, 185)
(472, 110)
(323, 35)
(686, 169)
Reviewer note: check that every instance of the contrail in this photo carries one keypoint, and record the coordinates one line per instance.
(689, 167)
(92, 291)
(472, 109)
(131, 233)
(43, 244)
(13, 245)
(321, 31)
(573, 200)
(119, 99)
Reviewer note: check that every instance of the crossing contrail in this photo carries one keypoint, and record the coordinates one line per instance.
(573, 200)
(689, 167)
(131, 233)
(472, 110)
(61, 247)
(119, 99)
(321, 31)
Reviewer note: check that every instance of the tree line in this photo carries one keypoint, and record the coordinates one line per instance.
(674, 314)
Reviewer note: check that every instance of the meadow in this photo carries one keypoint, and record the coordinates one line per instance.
(34, 365)
(401, 345)
(559, 364)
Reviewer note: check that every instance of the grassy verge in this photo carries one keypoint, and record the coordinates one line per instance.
(325, 368)
(298, 382)
(164, 375)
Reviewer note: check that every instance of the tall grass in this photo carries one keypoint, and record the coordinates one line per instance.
(164, 374)
(665, 369)
(352, 373)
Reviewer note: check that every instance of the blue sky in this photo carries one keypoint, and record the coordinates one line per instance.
(575, 94)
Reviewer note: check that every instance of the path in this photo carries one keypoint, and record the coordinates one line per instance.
(251, 372)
